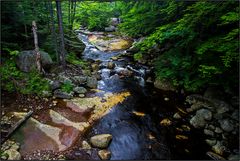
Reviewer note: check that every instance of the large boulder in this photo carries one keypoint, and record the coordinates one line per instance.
(26, 60)
(101, 141)
(92, 82)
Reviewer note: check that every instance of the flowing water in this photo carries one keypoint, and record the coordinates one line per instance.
(134, 123)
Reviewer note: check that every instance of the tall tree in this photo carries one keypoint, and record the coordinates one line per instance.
(61, 33)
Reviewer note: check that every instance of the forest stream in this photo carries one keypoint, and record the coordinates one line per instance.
(138, 118)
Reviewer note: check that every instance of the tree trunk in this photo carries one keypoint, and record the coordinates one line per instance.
(38, 55)
(53, 30)
(60, 26)
(73, 15)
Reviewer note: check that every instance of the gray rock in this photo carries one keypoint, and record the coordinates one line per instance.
(235, 115)
(46, 94)
(177, 116)
(110, 29)
(104, 154)
(194, 107)
(85, 145)
(13, 154)
(64, 79)
(226, 125)
(211, 142)
(218, 130)
(208, 132)
(101, 141)
(110, 65)
(80, 79)
(55, 84)
(26, 60)
(205, 114)
(114, 21)
(64, 95)
(219, 148)
(92, 82)
(197, 122)
(164, 85)
(80, 90)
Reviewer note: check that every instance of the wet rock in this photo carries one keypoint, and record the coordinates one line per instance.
(211, 142)
(226, 125)
(85, 145)
(13, 154)
(166, 99)
(95, 67)
(80, 79)
(177, 116)
(60, 94)
(205, 114)
(111, 65)
(208, 132)
(101, 141)
(164, 85)
(181, 137)
(186, 128)
(26, 60)
(219, 148)
(166, 122)
(215, 156)
(104, 154)
(197, 122)
(123, 71)
(55, 84)
(92, 82)
(80, 90)
(114, 58)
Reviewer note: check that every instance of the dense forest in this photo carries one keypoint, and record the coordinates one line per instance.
(90, 56)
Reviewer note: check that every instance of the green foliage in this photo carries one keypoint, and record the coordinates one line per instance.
(202, 45)
(67, 87)
(137, 56)
(94, 15)
(12, 79)
(73, 59)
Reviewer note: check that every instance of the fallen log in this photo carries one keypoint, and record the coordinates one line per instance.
(16, 126)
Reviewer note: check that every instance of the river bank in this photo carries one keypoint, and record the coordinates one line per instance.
(116, 96)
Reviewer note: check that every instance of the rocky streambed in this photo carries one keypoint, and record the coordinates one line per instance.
(114, 112)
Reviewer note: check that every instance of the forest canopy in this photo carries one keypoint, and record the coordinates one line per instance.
(193, 44)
